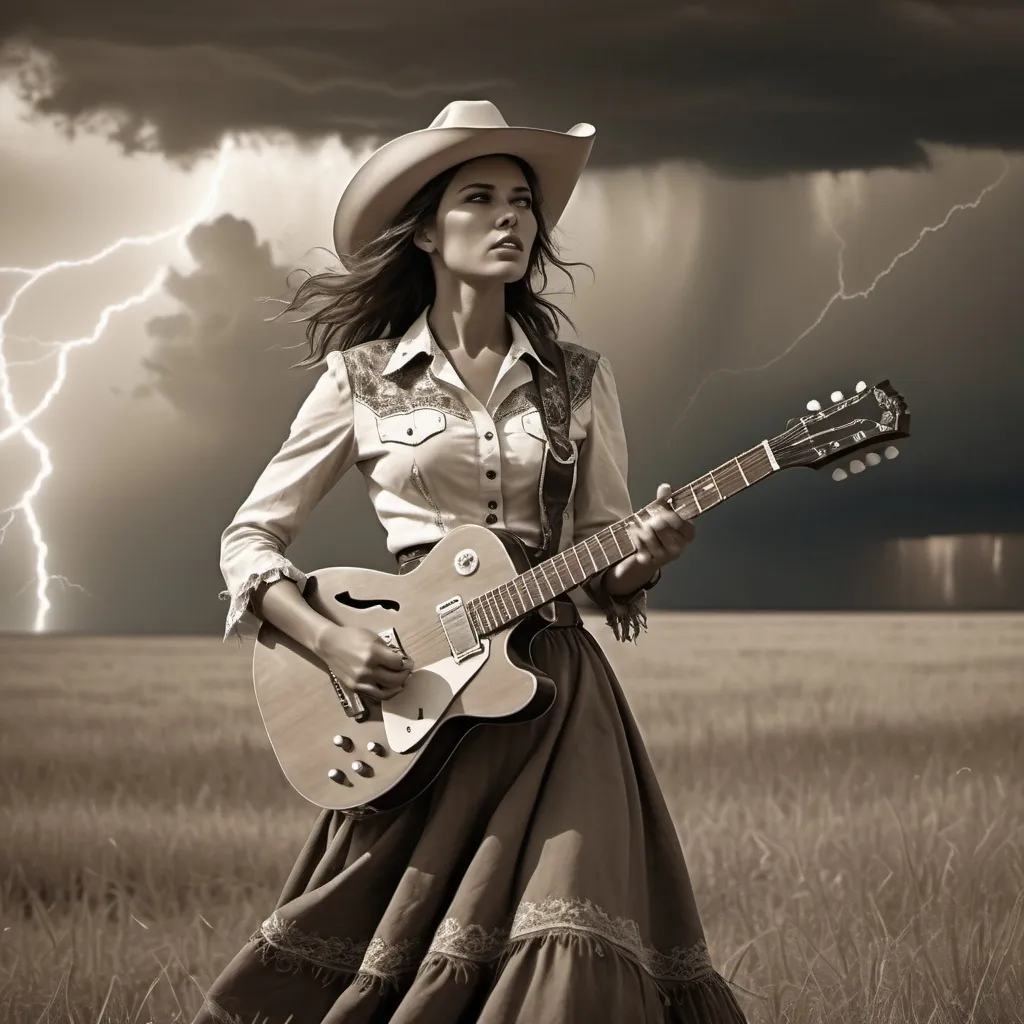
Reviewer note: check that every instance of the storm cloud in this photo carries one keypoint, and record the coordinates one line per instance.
(745, 88)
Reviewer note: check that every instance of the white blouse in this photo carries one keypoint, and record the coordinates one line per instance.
(433, 458)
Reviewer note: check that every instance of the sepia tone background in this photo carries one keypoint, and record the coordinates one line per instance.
(757, 167)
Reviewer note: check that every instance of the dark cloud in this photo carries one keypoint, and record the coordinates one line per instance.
(222, 360)
(749, 88)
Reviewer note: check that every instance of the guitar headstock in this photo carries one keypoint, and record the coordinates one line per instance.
(872, 417)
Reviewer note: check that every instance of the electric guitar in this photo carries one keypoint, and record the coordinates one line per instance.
(455, 613)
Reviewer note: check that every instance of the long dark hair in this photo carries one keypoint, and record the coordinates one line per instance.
(390, 281)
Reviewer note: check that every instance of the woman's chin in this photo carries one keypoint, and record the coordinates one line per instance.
(503, 273)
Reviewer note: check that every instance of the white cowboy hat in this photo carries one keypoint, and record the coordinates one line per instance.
(464, 130)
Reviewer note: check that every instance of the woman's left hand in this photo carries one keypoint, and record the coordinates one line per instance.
(664, 535)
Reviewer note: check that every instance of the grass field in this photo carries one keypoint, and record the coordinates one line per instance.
(849, 791)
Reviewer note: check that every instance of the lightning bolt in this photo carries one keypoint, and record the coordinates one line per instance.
(19, 424)
(841, 294)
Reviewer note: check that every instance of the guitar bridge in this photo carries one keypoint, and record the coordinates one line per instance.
(458, 629)
(351, 703)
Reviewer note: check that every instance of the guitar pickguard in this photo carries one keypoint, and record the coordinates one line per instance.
(413, 713)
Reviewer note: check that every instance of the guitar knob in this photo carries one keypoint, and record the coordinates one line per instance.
(838, 474)
(376, 748)
(891, 452)
(813, 405)
(861, 386)
(872, 458)
(856, 466)
(361, 768)
(337, 775)
(837, 396)
(344, 742)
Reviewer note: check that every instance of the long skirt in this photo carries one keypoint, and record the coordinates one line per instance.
(538, 880)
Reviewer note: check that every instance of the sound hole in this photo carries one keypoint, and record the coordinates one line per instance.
(357, 602)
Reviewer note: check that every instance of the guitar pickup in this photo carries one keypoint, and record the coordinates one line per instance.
(458, 629)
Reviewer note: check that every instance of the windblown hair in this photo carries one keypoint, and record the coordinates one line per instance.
(390, 281)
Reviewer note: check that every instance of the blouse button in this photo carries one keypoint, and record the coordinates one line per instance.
(409, 431)
(491, 518)
(492, 504)
(491, 474)
(488, 436)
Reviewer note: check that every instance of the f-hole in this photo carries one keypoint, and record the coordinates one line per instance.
(357, 602)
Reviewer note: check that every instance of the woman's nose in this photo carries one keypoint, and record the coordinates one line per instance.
(507, 218)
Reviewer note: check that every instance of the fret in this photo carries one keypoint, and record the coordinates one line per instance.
(480, 607)
(547, 591)
(553, 562)
(705, 489)
(500, 598)
(696, 500)
(567, 569)
(739, 466)
(532, 577)
(579, 562)
(714, 482)
(493, 605)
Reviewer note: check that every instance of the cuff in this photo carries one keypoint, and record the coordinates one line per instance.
(241, 619)
(625, 613)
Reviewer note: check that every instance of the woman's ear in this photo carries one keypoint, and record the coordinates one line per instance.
(424, 238)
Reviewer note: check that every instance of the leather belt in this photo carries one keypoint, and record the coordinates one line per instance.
(561, 612)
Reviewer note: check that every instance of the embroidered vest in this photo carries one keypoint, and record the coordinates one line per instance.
(558, 472)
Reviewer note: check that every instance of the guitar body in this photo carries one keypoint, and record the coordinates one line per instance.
(393, 750)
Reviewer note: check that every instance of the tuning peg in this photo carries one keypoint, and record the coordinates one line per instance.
(813, 405)
(837, 396)
(838, 474)
(891, 452)
(861, 386)
(872, 458)
(856, 466)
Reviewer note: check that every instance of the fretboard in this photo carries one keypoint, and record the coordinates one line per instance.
(498, 608)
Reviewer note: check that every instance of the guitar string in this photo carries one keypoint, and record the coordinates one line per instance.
(726, 477)
(730, 476)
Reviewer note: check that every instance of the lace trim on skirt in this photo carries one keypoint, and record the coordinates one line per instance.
(291, 949)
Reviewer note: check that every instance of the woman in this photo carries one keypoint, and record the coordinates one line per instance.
(539, 879)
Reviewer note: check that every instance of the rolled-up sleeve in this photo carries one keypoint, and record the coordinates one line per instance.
(319, 449)
(602, 498)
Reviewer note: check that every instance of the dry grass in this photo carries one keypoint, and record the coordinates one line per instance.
(849, 789)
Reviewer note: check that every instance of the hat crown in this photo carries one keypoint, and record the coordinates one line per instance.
(469, 114)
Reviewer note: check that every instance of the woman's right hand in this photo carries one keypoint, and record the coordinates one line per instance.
(362, 661)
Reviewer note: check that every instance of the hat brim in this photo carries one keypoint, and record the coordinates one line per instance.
(393, 174)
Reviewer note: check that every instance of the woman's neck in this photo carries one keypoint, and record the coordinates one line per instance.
(470, 319)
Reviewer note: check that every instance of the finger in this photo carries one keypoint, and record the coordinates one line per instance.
(668, 523)
(653, 544)
(374, 691)
(387, 657)
(643, 542)
(390, 678)
(668, 517)
(664, 494)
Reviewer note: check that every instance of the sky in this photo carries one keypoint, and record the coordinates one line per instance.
(783, 199)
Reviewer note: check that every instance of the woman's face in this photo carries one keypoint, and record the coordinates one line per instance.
(485, 226)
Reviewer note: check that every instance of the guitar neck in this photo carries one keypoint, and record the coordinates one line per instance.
(500, 607)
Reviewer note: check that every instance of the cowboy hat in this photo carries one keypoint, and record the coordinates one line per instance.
(464, 130)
